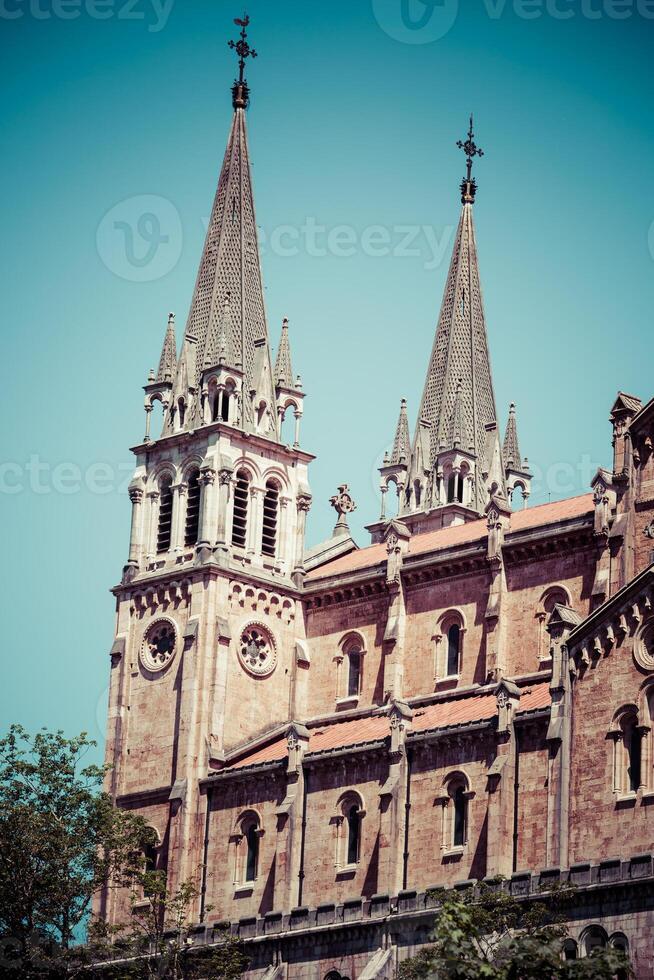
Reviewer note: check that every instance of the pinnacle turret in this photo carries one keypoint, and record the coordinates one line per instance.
(511, 449)
(168, 359)
(283, 369)
(402, 442)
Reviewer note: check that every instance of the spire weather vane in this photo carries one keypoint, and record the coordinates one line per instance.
(471, 150)
(242, 47)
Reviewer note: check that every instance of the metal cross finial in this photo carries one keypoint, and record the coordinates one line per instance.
(470, 149)
(242, 48)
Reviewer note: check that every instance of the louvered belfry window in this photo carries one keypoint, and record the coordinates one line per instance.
(240, 515)
(164, 526)
(270, 510)
(192, 525)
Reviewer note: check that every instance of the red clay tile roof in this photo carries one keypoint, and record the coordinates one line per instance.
(450, 537)
(373, 728)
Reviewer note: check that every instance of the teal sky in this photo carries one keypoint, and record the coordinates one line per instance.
(355, 112)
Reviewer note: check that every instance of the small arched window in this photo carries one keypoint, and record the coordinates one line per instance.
(224, 408)
(455, 488)
(570, 951)
(593, 938)
(349, 823)
(455, 801)
(556, 595)
(417, 493)
(240, 509)
(270, 513)
(192, 523)
(247, 841)
(165, 520)
(453, 648)
(627, 751)
(181, 413)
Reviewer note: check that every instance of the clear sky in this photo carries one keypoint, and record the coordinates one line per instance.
(115, 115)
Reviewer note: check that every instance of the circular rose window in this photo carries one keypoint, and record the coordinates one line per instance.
(257, 650)
(644, 646)
(159, 643)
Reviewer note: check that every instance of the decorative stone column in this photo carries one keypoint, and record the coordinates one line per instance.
(296, 439)
(150, 543)
(501, 783)
(303, 507)
(283, 550)
(136, 530)
(224, 481)
(177, 529)
(206, 480)
(288, 856)
(254, 521)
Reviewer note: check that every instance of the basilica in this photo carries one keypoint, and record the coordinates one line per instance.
(322, 735)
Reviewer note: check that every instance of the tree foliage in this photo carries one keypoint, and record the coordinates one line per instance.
(61, 841)
(487, 934)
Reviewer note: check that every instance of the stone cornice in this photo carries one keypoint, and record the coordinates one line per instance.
(205, 431)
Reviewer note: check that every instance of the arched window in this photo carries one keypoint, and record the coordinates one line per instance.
(593, 938)
(270, 511)
(417, 493)
(214, 402)
(570, 951)
(448, 638)
(455, 488)
(181, 413)
(165, 521)
(240, 509)
(453, 646)
(349, 667)
(627, 748)
(455, 803)
(192, 523)
(349, 821)
(247, 839)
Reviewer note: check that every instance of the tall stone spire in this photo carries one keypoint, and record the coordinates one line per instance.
(283, 368)
(168, 359)
(456, 456)
(230, 267)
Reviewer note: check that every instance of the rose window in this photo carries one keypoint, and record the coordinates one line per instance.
(159, 645)
(257, 650)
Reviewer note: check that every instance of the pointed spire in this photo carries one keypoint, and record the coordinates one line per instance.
(459, 357)
(168, 359)
(283, 368)
(230, 267)
(511, 451)
(402, 442)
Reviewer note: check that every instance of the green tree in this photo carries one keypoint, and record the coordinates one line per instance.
(486, 934)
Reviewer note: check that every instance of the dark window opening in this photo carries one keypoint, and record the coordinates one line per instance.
(353, 828)
(240, 513)
(252, 837)
(224, 409)
(633, 739)
(192, 509)
(270, 507)
(182, 411)
(164, 528)
(354, 672)
(453, 644)
(455, 488)
(459, 832)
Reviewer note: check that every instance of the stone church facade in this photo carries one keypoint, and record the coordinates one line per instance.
(321, 736)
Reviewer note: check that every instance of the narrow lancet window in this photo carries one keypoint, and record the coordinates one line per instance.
(270, 510)
(192, 509)
(240, 513)
(164, 527)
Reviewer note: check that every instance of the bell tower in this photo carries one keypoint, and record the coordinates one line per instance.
(208, 618)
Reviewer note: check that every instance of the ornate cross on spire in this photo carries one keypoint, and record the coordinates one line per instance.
(471, 150)
(240, 93)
